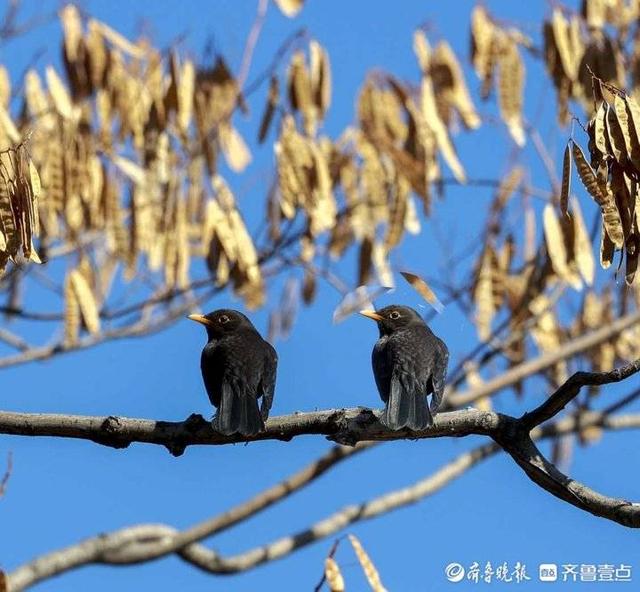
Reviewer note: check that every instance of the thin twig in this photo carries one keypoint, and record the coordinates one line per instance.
(252, 40)
(7, 474)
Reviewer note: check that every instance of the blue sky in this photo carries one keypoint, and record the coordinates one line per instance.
(62, 491)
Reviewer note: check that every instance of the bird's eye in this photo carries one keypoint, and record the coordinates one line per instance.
(224, 319)
(394, 315)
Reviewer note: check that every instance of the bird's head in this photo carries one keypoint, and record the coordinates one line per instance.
(222, 322)
(393, 318)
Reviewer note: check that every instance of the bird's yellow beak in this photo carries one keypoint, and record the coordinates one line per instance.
(372, 314)
(198, 318)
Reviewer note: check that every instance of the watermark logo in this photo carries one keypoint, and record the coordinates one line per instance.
(454, 572)
(548, 572)
(516, 573)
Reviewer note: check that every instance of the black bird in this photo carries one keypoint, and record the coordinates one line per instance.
(409, 363)
(238, 367)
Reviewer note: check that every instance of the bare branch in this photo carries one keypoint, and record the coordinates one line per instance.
(570, 389)
(100, 549)
(137, 329)
(7, 474)
(569, 349)
(331, 554)
(546, 475)
(151, 549)
(252, 40)
(341, 425)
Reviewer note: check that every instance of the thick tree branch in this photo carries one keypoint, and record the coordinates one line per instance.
(546, 475)
(112, 548)
(341, 425)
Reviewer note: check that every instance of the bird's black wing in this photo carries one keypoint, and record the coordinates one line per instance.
(212, 363)
(439, 373)
(268, 380)
(382, 368)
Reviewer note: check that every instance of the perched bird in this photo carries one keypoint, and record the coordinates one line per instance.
(409, 363)
(238, 367)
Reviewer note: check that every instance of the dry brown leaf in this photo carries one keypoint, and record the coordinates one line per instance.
(365, 260)
(421, 286)
(622, 117)
(566, 180)
(290, 8)
(184, 95)
(604, 199)
(309, 287)
(380, 260)
(71, 314)
(5, 87)
(511, 87)
(433, 121)
(631, 258)
(8, 127)
(59, 94)
(269, 109)
(333, 575)
(234, 148)
(607, 248)
(483, 39)
(583, 250)
(34, 180)
(447, 75)
(119, 41)
(411, 220)
(320, 77)
(301, 92)
(601, 138)
(633, 118)
(370, 571)
(507, 187)
(86, 301)
(72, 26)
(133, 171)
(483, 295)
(422, 50)
(616, 136)
(565, 42)
(555, 241)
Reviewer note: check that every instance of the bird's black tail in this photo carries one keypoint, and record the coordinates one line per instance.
(238, 413)
(406, 410)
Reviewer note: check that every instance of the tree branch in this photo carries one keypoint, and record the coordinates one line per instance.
(570, 389)
(7, 474)
(521, 371)
(346, 426)
(147, 550)
(112, 548)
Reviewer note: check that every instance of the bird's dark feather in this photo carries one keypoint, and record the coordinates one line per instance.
(410, 363)
(238, 368)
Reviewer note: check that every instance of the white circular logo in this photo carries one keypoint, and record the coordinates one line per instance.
(454, 572)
